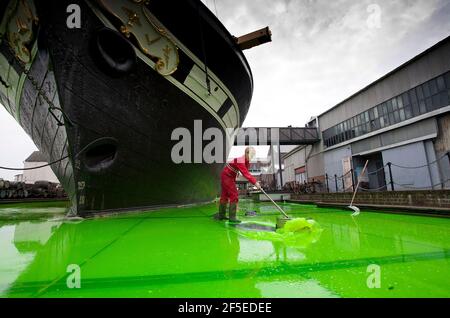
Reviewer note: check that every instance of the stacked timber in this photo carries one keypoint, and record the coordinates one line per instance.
(21, 190)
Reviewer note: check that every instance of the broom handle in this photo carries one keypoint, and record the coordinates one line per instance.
(279, 208)
(359, 181)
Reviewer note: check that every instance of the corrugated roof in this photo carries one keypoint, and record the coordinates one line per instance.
(36, 156)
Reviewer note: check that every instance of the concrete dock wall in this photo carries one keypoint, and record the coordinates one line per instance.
(435, 199)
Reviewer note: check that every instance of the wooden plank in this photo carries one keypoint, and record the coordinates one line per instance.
(255, 38)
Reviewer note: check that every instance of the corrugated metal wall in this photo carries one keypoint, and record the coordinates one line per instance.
(334, 166)
(410, 168)
(424, 129)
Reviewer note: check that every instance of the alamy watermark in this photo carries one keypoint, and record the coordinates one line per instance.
(213, 144)
(374, 279)
(74, 18)
(374, 19)
(74, 278)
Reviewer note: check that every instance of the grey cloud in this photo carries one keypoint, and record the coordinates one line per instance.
(324, 51)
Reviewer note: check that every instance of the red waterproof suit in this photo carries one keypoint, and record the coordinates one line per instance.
(228, 179)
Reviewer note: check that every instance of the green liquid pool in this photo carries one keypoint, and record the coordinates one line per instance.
(182, 252)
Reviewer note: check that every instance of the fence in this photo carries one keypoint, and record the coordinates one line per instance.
(389, 180)
(418, 198)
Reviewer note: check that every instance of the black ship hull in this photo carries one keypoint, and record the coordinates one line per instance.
(95, 98)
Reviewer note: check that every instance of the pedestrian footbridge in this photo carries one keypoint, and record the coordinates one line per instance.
(262, 136)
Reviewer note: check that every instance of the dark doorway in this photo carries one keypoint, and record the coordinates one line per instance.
(375, 178)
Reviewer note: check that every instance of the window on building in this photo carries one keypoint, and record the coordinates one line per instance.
(433, 87)
(391, 118)
(444, 98)
(394, 104)
(402, 114)
(389, 106)
(382, 124)
(413, 95)
(436, 102)
(441, 83)
(426, 90)
(447, 80)
(429, 104)
(420, 94)
(400, 102)
(422, 107)
(375, 124)
(424, 98)
(405, 99)
(385, 108)
(408, 112)
(396, 117)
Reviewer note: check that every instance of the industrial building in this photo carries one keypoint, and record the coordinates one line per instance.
(30, 175)
(266, 167)
(400, 123)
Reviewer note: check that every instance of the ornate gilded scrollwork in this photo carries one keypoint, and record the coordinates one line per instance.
(152, 39)
(19, 30)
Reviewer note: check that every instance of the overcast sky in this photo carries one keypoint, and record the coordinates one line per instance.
(322, 52)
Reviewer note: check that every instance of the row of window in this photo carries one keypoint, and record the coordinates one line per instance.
(422, 99)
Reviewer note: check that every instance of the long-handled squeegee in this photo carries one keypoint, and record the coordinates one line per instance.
(281, 221)
(354, 208)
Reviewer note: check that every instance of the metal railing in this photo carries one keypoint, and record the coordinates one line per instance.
(254, 136)
(391, 185)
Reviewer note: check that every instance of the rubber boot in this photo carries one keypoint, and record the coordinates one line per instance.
(221, 216)
(233, 210)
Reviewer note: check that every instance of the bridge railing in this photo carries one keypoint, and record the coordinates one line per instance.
(254, 136)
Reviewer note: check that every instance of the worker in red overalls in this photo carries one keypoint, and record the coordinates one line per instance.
(228, 184)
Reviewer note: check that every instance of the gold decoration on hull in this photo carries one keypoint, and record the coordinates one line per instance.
(151, 38)
(19, 29)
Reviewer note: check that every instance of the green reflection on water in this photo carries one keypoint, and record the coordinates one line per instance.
(184, 253)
